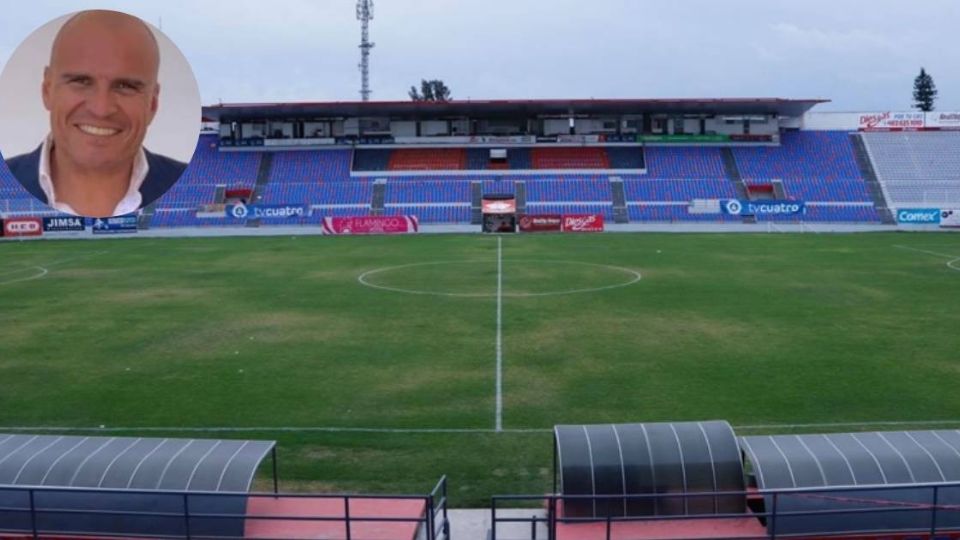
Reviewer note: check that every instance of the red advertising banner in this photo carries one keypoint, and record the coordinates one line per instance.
(583, 223)
(540, 222)
(371, 225)
(499, 206)
(29, 226)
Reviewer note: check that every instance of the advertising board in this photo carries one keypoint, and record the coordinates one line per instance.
(371, 225)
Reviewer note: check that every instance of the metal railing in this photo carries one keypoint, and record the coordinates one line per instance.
(32, 508)
(870, 503)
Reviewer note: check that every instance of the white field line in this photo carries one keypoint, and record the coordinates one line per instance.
(364, 279)
(43, 270)
(347, 429)
(499, 417)
(951, 264)
(290, 429)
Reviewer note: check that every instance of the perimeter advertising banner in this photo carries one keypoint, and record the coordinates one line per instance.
(63, 224)
(772, 207)
(25, 226)
(115, 225)
(371, 225)
(943, 120)
(540, 222)
(918, 216)
(582, 223)
(950, 217)
(260, 211)
(891, 121)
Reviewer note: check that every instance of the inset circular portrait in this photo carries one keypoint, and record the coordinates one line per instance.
(100, 113)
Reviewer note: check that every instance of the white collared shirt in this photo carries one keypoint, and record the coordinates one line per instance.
(129, 203)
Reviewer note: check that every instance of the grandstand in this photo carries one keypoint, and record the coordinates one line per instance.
(653, 167)
(686, 171)
(917, 169)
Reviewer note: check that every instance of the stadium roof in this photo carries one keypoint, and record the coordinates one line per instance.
(854, 459)
(130, 463)
(501, 108)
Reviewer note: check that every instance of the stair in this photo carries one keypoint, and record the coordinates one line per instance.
(220, 196)
(379, 197)
(778, 192)
(143, 220)
(619, 200)
(263, 178)
(869, 175)
(520, 193)
(733, 174)
(476, 202)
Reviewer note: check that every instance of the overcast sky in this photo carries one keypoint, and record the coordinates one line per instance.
(861, 54)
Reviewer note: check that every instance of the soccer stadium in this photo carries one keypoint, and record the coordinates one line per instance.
(626, 318)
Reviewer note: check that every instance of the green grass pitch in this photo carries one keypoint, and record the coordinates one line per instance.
(279, 333)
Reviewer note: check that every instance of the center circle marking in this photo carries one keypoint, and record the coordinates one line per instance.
(633, 277)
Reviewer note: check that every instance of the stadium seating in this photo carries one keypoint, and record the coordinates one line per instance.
(479, 159)
(569, 158)
(356, 192)
(675, 176)
(427, 159)
(186, 217)
(519, 158)
(679, 189)
(816, 167)
(499, 186)
(310, 166)
(674, 213)
(828, 213)
(210, 166)
(570, 189)
(15, 200)
(917, 169)
(448, 213)
(208, 170)
(431, 191)
(813, 165)
(822, 155)
(571, 208)
(669, 162)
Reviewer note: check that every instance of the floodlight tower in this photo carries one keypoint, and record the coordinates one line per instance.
(365, 15)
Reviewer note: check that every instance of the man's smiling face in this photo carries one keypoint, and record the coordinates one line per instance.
(101, 90)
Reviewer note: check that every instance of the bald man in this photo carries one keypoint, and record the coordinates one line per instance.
(102, 93)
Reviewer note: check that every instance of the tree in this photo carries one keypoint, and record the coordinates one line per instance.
(432, 90)
(924, 91)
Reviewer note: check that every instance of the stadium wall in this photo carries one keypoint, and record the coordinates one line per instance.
(831, 121)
